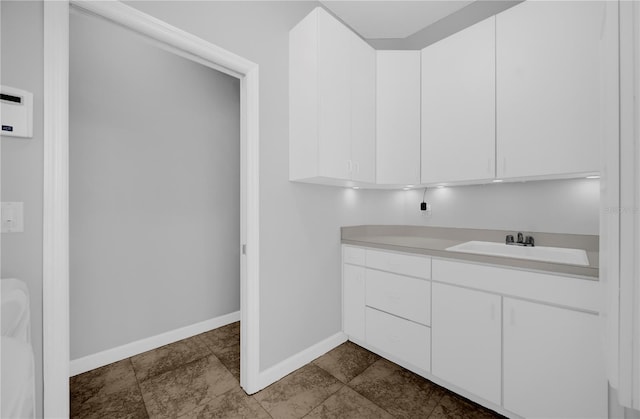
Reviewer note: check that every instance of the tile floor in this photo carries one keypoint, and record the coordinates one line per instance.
(199, 378)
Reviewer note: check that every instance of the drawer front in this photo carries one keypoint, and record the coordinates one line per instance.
(405, 340)
(419, 266)
(399, 295)
(571, 292)
(353, 255)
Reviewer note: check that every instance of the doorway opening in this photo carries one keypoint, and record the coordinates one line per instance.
(154, 181)
(56, 191)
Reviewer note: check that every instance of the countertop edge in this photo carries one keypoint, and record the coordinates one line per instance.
(587, 272)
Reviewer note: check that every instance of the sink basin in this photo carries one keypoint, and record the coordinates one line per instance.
(541, 253)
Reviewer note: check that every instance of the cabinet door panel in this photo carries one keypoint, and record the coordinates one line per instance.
(549, 61)
(334, 86)
(353, 304)
(404, 340)
(398, 118)
(363, 110)
(303, 99)
(466, 340)
(458, 106)
(554, 354)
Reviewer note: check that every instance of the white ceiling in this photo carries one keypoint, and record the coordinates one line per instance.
(392, 18)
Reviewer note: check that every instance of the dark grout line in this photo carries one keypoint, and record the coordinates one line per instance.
(363, 371)
(227, 368)
(263, 408)
(438, 403)
(144, 403)
(327, 398)
(327, 371)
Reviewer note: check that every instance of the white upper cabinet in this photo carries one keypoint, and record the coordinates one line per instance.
(521, 96)
(458, 106)
(549, 64)
(334, 97)
(363, 110)
(331, 103)
(398, 118)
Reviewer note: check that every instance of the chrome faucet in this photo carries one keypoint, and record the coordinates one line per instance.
(521, 240)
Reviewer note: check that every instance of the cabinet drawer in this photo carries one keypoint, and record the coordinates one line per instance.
(571, 292)
(353, 255)
(402, 339)
(398, 263)
(399, 295)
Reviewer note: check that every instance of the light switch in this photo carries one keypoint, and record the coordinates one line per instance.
(12, 217)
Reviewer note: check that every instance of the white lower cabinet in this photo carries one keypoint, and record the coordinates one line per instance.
(524, 343)
(553, 363)
(403, 340)
(466, 346)
(353, 301)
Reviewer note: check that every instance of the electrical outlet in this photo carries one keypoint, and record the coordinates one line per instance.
(425, 209)
(12, 217)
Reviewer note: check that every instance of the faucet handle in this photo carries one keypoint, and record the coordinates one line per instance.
(508, 239)
(528, 240)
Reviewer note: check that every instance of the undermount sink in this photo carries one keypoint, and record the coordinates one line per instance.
(541, 253)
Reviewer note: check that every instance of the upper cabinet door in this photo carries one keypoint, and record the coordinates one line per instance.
(548, 84)
(458, 106)
(363, 110)
(332, 103)
(303, 99)
(334, 97)
(398, 118)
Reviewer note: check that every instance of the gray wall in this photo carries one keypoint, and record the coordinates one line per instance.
(555, 206)
(22, 171)
(154, 189)
(299, 230)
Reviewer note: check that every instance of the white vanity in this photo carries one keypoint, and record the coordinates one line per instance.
(523, 342)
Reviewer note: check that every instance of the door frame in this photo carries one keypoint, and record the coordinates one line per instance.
(56, 182)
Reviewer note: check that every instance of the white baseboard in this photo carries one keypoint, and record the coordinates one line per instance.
(273, 374)
(100, 359)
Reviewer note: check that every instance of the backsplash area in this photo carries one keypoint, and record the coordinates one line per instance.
(555, 206)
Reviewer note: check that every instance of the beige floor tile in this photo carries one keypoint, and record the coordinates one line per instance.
(454, 407)
(346, 361)
(231, 405)
(169, 357)
(298, 393)
(230, 358)
(222, 337)
(180, 391)
(106, 392)
(348, 404)
(397, 390)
